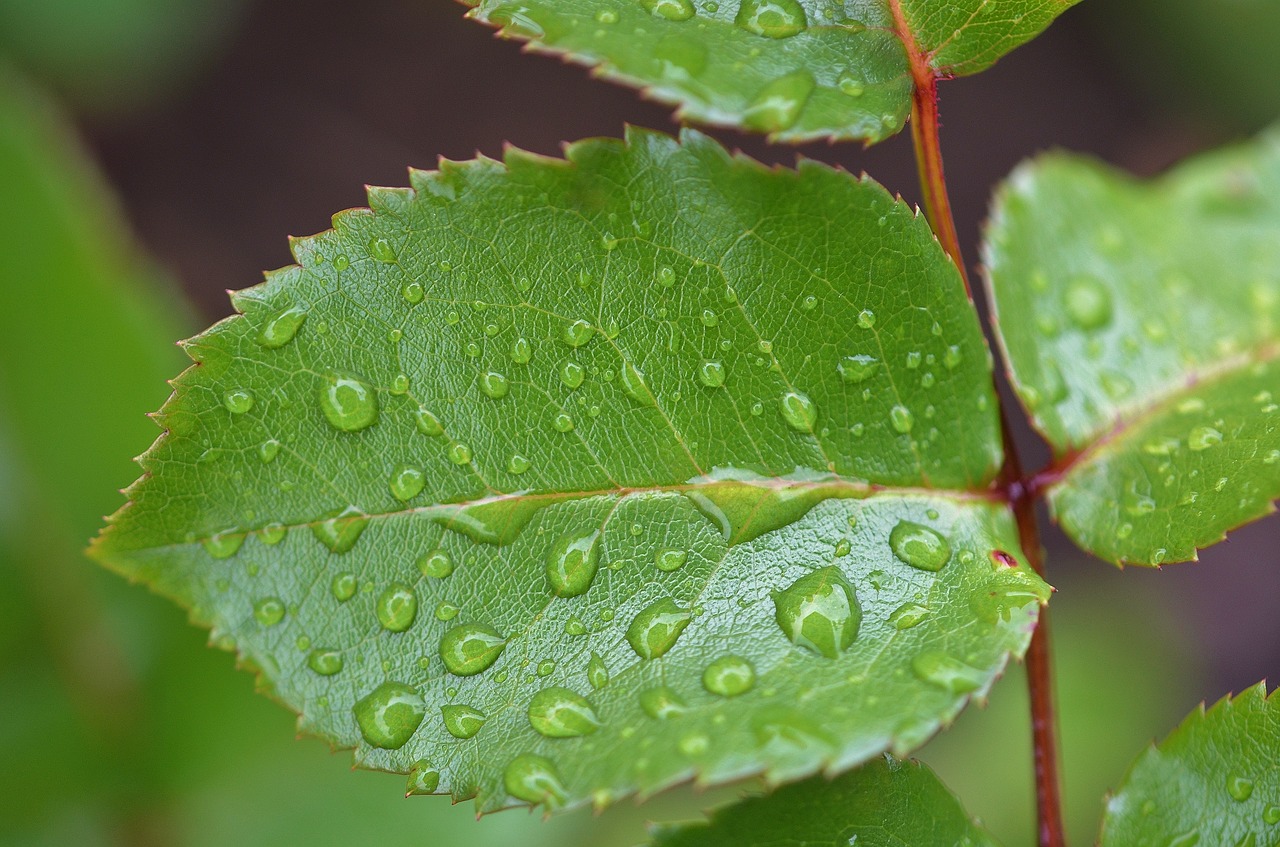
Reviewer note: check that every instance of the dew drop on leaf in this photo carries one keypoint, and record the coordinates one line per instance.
(268, 611)
(423, 779)
(325, 662)
(1204, 437)
(672, 10)
(1088, 303)
(919, 546)
(711, 374)
(348, 402)
(772, 18)
(654, 630)
(396, 607)
(340, 530)
(389, 715)
(282, 328)
(661, 703)
(225, 544)
(470, 649)
(238, 400)
(572, 562)
(534, 779)
(799, 411)
(597, 672)
(437, 564)
(901, 419)
(820, 612)
(560, 713)
(729, 676)
(577, 333)
(494, 385)
(855, 369)
(777, 106)
(908, 615)
(343, 587)
(462, 721)
(1239, 787)
(268, 450)
(407, 482)
(943, 671)
(670, 559)
(427, 423)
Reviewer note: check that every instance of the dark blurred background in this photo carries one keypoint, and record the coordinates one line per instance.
(154, 153)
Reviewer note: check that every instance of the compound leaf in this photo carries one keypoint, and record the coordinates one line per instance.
(884, 803)
(797, 69)
(1140, 322)
(560, 480)
(1215, 780)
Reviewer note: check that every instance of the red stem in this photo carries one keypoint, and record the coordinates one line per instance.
(924, 131)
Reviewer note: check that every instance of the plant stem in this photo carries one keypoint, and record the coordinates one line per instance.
(1044, 736)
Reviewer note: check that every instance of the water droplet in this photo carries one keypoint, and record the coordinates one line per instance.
(908, 615)
(407, 482)
(1239, 787)
(655, 629)
(427, 423)
(634, 385)
(572, 563)
(1088, 303)
(462, 721)
(866, 319)
(225, 544)
(1204, 437)
(1271, 815)
(850, 84)
(560, 713)
(518, 464)
(694, 744)
(268, 450)
(777, 106)
(389, 715)
(459, 453)
(577, 333)
(471, 648)
(273, 533)
(348, 402)
(711, 374)
(534, 779)
(597, 672)
(396, 607)
(819, 611)
(343, 587)
(423, 779)
(772, 18)
(521, 351)
(902, 419)
(919, 546)
(572, 374)
(340, 530)
(951, 675)
(672, 10)
(238, 400)
(562, 422)
(799, 411)
(282, 327)
(269, 611)
(666, 277)
(729, 676)
(412, 293)
(446, 611)
(325, 662)
(855, 369)
(437, 564)
(494, 385)
(670, 559)
(661, 703)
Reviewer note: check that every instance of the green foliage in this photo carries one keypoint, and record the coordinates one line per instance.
(1141, 325)
(796, 69)
(885, 803)
(558, 481)
(1215, 780)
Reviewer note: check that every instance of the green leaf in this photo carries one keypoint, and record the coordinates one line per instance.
(885, 803)
(560, 480)
(1215, 780)
(797, 69)
(1141, 324)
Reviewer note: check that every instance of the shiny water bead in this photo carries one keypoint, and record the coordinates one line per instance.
(572, 374)
(343, 587)
(325, 662)
(437, 564)
(238, 400)
(459, 453)
(670, 559)
(282, 327)
(1087, 303)
(855, 369)
(729, 676)
(597, 672)
(273, 533)
(381, 249)
(634, 386)
(654, 631)
(572, 563)
(470, 649)
(901, 419)
(389, 715)
(560, 713)
(534, 779)
(777, 106)
(772, 18)
(521, 351)
(462, 721)
(225, 544)
(407, 482)
(1202, 438)
(562, 422)
(494, 385)
(577, 333)
(945, 672)
(268, 450)
(427, 423)
(349, 403)
(672, 10)
(820, 612)
(666, 277)
(339, 531)
(908, 616)
(711, 374)
(396, 607)
(446, 611)
(423, 779)
(413, 293)
(662, 703)
(268, 611)
(919, 546)
(866, 319)
(518, 464)
(1239, 787)
(799, 411)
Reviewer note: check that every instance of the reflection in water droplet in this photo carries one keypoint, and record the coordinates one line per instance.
(908, 615)
(269, 611)
(341, 529)
(348, 402)
(427, 423)
(670, 559)
(661, 703)
(459, 453)
(389, 715)
(535, 780)
(777, 106)
(855, 369)
(225, 544)
(471, 648)
(572, 563)
(772, 18)
(820, 611)
(572, 374)
(1203, 437)
(282, 328)
(407, 482)
(238, 400)
(941, 670)
(437, 564)
(325, 662)
(577, 333)
(396, 607)
(560, 713)
(413, 293)
(654, 630)
(343, 587)
(423, 779)
(729, 676)
(711, 374)
(799, 411)
(1088, 303)
(597, 672)
(919, 546)
(462, 721)
(494, 385)
(672, 10)
(1239, 787)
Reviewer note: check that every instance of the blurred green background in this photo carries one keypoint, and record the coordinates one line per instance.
(156, 152)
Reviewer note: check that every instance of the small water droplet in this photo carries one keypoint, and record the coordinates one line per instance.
(634, 385)
(560, 713)
(729, 676)
(856, 369)
(389, 715)
(340, 530)
(325, 662)
(919, 546)
(494, 385)
(273, 533)
(224, 544)
(562, 422)
(866, 319)
(238, 400)
(1271, 815)
(459, 453)
(772, 18)
(1239, 787)
(597, 672)
(1088, 303)
(908, 615)
(518, 464)
(577, 333)
(943, 671)
(535, 780)
(1204, 437)
(462, 721)
(471, 648)
(777, 106)
(437, 564)
(423, 779)
(396, 607)
(407, 482)
(283, 326)
(819, 611)
(672, 10)
(572, 374)
(348, 402)
(268, 450)
(901, 419)
(269, 611)
(412, 292)
(711, 374)
(572, 563)
(799, 411)
(343, 587)
(654, 630)
(670, 559)
(661, 703)
(850, 84)
(427, 423)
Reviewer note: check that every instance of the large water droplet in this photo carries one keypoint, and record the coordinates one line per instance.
(1088, 303)
(494, 385)
(799, 411)
(577, 333)
(471, 648)
(1239, 787)
(634, 385)
(820, 611)
(437, 564)
(662, 703)
(348, 402)
(396, 607)
(390, 715)
(534, 779)
(282, 327)
(670, 559)
(729, 676)
(1007, 592)
(941, 670)
(343, 587)
(560, 713)
(340, 530)
(711, 374)
(325, 662)
(919, 546)
(407, 482)
(908, 615)
(777, 106)
(901, 419)
(427, 423)
(772, 18)
(238, 400)
(462, 721)
(423, 779)
(672, 10)
(572, 563)
(572, 374)
(268, 450)
(855, 369)
(655, 629)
